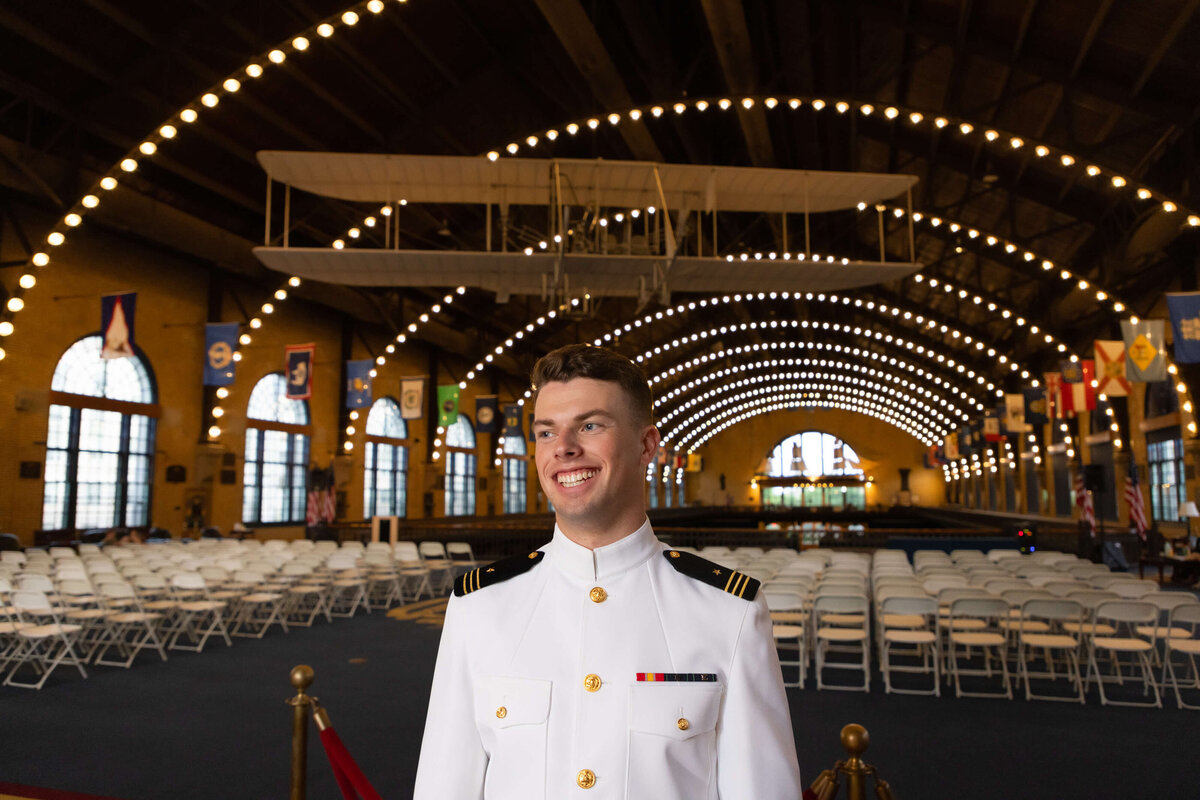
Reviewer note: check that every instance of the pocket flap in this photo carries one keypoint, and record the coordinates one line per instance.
(677, 710)
(505, 702)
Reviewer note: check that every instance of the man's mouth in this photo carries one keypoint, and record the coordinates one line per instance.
(574, 478)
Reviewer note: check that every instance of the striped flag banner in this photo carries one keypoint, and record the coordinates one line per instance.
(1083, 500)
(1137, 506)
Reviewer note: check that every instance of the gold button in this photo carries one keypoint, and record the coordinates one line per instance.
(586, 779)
(501, 712)
(683, 724)
(674, 554)
(533, 554)
(598, 595)
(592, 683)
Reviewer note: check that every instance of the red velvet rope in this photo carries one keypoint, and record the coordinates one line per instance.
(350, 778)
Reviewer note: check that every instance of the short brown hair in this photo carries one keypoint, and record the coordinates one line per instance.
(587, 361)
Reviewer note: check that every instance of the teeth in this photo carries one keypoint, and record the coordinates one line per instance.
(575, 478)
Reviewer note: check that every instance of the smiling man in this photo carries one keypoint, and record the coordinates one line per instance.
(605, 664)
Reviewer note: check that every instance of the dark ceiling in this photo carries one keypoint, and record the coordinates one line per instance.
(1083, 85)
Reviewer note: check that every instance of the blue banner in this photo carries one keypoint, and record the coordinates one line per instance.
(1145, 350)
(1035, 407)
(220, 343)
(358, 383)
(1185, 322)
(298, 364)
(485, 413)
(116, 324)
(512, 420)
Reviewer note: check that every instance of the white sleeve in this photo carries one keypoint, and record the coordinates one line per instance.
(756, 751)
(453, 762)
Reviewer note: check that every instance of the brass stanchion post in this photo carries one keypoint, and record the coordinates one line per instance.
(302, 678)
(855, 741)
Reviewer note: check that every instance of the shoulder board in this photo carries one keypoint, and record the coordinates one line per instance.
(738, 584)
(495, 572)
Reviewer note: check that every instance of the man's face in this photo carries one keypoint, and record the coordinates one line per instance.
(591, 456)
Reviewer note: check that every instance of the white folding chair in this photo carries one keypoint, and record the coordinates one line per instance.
(45, 641)
(1126, 648)
(789, 627)
(129, 627)
(974, 624)
(307, 596)
(199, 616)
(258, 609)
(912, 624)
(1184, 617)
(1050, 638)
(831, 615)
(348, 588)
(383, 580)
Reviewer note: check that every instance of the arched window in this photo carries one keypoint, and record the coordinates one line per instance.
(516, 470)
(100, 440)
(385, 463)
(277, 437)
(813, 468)
(460, 468)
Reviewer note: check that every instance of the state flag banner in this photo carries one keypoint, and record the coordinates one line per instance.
(1110, 368)
(695, 462)
(1145, 350)
(298, 367)
(1014, 412)
(485, 413)
(950, 447)
(1036, 412)
(1184, 308)
(447, 405)
(358, 383)
(220, 343)
(512, 420)
(1053, 394)
(116, 324)
(991, 425)
(1078, 394)
(412, 398)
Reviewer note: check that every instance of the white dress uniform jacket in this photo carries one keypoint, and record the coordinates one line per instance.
(536, 693)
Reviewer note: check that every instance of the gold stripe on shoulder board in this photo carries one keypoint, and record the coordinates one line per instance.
(732, 575)
(740, 586)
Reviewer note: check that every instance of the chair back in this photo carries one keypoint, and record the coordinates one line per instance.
(979, 608)
(925, 606)
(29, 600)
(1056, 610)
(779, 599)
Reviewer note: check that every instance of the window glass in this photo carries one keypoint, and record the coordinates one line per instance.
(515, 475)
(385, 464)
(274, 474)
(460, 469)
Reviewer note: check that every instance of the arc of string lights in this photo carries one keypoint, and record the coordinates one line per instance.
(883, 309)
(847, 403)
(918, 414)
(1010, 247)
(914, 117)
(792, 345)
(168, 131)
(837, 327)
(894, 407)
(810, 365)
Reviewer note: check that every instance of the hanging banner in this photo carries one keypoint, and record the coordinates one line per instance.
(1077, 391)
(1110, 368)
(1053, 394)
(116, 324)
(485, 413)
(512, 420)
(1145, 350)
(297, 366)
(447, 405)
(1036, 413)
(1184, 309)
(220, 343)
(1014, 412)
(991, 425)
(358, 383)
(695, 462)
(412, 398)
(951, 447)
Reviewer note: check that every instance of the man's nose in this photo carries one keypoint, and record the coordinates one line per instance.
(567, 445)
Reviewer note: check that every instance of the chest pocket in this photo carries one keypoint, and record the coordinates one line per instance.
(672, 740)
(511, 716)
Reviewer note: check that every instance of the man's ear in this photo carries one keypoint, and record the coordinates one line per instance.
(650, 439)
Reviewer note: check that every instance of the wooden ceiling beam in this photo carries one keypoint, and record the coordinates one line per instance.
(731, 39)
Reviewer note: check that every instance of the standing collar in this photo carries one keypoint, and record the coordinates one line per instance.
(604, 562)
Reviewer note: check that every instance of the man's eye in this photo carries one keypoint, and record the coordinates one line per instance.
(590, 426)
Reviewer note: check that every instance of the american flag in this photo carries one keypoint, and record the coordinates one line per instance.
(1083, 499)
(322, 506)
(1137, 506)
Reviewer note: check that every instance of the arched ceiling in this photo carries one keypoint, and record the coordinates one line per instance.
(1054, 144)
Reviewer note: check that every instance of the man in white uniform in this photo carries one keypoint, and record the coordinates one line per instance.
(604, 665)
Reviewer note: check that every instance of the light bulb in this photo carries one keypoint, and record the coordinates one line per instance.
(108, 183)
(128, 164)
(55, 239)
(188, 115)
